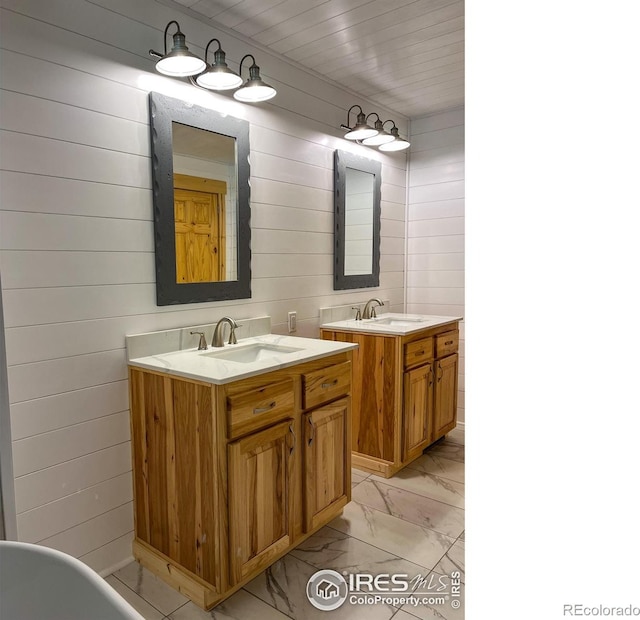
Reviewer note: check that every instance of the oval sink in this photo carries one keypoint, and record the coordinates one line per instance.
(251, 353)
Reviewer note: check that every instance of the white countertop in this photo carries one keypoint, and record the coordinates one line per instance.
(204, 366)
(392, 323)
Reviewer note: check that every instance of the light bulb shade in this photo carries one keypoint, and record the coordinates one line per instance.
(180, 62)
(218, 76)
(254, 88)
(398, 144)
(382, 137)
(361, 131)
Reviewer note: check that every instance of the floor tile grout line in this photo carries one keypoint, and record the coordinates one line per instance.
(427, 496)
(443, 458)
(413, 522)
(126, 585)
(390, 552)
(262, 601)
(433, 499)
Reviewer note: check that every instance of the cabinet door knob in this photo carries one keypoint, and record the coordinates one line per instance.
(329, 384)
(312, 432)
(271, 405)
(448, 342)
(440, 372)
(418, 353)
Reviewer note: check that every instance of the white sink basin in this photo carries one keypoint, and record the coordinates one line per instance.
(384, 320)
(251, 353)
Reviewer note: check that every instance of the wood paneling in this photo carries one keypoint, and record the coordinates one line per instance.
(446, 371)
(374, 370)
(418, 410)
(175, 499)
(77, 228)
(260, 499)
(326, 460)
(435, 266)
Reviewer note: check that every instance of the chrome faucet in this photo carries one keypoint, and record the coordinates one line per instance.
(218, 337)
(369, 311)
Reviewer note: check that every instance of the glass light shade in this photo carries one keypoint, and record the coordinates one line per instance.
(381, 138)
(219, 78)
(252, 92)
(254, 88)
(398, 144)
(180, 64)
(361, 131)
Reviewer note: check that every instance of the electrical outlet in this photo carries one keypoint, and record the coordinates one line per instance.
(291, 321)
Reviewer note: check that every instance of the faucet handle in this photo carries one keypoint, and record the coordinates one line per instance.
(202, 345)
(358, 314)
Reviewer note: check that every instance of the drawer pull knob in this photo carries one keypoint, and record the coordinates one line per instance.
(329, 384)
(263, 409)
(448, 342)
(418, 353)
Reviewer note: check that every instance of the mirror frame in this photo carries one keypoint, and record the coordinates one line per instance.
(342, 161)
(163, 111)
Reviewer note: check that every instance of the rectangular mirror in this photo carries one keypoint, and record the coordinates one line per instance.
(357, 183)
(200, 161)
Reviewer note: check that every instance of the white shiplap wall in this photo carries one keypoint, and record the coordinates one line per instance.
(435, 221)
(76, 241)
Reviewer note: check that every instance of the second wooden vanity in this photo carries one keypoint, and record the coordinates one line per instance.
(404, 391)
(229, 477)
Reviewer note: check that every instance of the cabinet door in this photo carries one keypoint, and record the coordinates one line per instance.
(326, 462)
(418, 410)
(446, 392)
(260, 498)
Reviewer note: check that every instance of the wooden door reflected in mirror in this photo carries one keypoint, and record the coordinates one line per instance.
(199, 213)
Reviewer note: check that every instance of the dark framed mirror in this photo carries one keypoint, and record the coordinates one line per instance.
(200, 170)
(357, 183)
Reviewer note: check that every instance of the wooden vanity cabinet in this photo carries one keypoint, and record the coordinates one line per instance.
(228, 478)
(404, 394)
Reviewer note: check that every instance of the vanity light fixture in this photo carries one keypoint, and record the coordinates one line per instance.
(179, 62)
(382, 137)
(254, 89)
(218, 76)
(377, 136)
(361, 130)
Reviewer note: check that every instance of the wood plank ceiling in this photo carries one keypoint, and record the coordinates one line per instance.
(406, 55)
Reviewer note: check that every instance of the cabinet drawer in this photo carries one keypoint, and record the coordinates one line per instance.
(418, 352)
(258, 408)
(325, 384)
(447, 343)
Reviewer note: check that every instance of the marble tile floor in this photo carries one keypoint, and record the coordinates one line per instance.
(412, 523)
